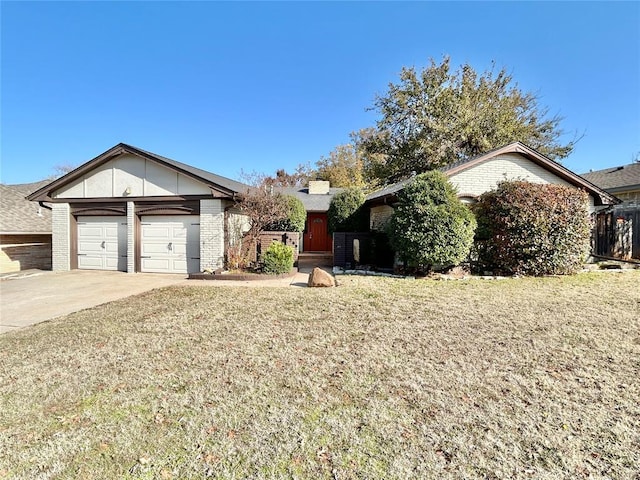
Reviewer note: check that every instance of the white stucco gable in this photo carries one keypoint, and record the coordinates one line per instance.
(131, 176)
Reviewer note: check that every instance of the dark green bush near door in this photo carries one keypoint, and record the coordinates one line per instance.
(532, 229)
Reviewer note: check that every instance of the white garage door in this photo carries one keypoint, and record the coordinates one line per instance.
(171, 244)
(102, 243)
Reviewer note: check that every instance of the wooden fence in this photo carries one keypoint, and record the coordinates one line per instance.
(617, 234)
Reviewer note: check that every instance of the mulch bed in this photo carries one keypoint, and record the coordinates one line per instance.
(244, 276)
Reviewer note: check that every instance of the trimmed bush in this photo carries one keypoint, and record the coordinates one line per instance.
(278, 258)
(430, 226)
(532, 229)
(296, 216)
(345, 212)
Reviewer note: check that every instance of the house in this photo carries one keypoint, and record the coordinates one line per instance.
(477, 175)
(134, 211)
(25, 230)
(316, 199)
(623, 182)
(618, 231)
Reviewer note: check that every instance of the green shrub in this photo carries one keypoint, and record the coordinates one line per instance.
(532, 229)
(430, 226)
(278, 258)
(296, 216)
(345, 212)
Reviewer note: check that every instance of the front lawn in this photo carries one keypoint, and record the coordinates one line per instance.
(378, 378)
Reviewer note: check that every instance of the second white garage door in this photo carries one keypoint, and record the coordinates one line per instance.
(170, 244)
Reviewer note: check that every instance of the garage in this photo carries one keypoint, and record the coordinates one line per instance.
(102, 243)
(170, 244)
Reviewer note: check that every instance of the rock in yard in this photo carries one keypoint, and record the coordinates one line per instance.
(320, 278)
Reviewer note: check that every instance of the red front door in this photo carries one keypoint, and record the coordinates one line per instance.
(317, 238)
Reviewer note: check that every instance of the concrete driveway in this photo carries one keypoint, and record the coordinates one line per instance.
(26, 300)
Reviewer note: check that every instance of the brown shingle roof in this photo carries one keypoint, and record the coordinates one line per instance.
(616, 178)
(601, 197)
(19, 215)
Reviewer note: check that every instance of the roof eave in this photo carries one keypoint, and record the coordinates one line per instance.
(43, 194)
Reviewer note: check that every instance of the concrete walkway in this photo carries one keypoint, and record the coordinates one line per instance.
(33, 297)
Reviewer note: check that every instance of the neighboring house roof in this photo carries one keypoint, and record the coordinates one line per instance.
(311, 202)
(20, 216)
(601, 196)
(217, 182)
(616, 179)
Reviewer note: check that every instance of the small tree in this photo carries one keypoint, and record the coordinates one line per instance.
(430, 226)
(295, 219)
(532, 229)
(262, 208)
(345, 213)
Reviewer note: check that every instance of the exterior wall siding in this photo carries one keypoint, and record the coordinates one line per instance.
(129, 175)
(25, 251)
(629, 199)
(211, 234)
(379, 216)
(485, 176)
(61, 237)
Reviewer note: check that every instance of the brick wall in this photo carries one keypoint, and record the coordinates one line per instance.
(291, 239)
(131, 244)
(60, 247)
(23, 252)
(485, 176)
(379, 216)
(211, 234)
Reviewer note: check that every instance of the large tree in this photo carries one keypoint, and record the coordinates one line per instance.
(343, 167)
(437, 116)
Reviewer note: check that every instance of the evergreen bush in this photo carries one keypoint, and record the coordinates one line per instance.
(532, 229)
(345, 212)
(430, 226)
(295, 219)
(277, 259)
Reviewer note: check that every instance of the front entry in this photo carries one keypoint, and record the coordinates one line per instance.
(316, 237)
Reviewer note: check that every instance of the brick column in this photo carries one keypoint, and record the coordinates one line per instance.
(211, 234)
(131, 237)
(60, 237)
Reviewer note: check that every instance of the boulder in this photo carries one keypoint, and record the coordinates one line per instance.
(319, 278)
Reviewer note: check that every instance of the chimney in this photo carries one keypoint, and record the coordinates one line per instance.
(318, 187)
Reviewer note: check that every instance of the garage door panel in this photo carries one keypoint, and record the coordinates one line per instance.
(156, 232)
(155, 265)
(90, 262)
(89, 247)
(155, 248)
(170, 244)
(90, 231)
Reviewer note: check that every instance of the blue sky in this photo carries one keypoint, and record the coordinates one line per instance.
(261, 86)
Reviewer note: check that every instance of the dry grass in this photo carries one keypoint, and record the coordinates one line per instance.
(379, 378)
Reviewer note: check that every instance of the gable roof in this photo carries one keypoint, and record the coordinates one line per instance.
(224, 185)
(18, 215)
(311, 202)
(601, 197)
(616, 179)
